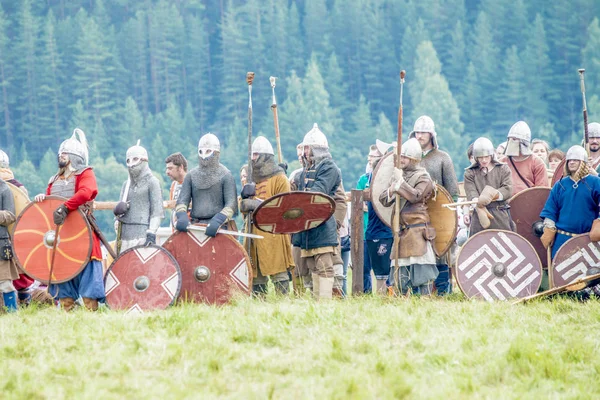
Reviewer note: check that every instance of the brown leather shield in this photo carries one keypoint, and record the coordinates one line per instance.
(213, 270)
(143, 278)
(443, 219)
(21, 201)
(574, 258)
(34, 235)
(293, 212)
(379, 183)
(525, 210)
(498, 265)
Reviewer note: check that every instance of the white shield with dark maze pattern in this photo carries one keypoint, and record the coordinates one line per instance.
(498, 265)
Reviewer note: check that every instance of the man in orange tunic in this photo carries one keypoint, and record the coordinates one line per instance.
(271, 256)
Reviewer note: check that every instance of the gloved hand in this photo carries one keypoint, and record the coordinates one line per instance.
(484, 217)
(249, 205)
(249, 190)
(488, 194)
(214, 224)
(39, 197)
(60, 214)
(121, 208)
(150, 238)
(284, 166)
(182, 221)
(548, 236)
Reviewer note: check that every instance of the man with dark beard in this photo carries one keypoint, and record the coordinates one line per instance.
(76, 181)
(594, 136)
(319, 246)
(210, 187)
(271, 256)
(140, 210)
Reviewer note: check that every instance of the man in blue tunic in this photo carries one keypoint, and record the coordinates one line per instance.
(572, 205)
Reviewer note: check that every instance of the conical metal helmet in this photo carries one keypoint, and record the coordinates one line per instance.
(4, 160)
(520, 130)
(412, 149)
(594, 130)
(136, 154)
(76, 145)
(315, 138)
(262, 145)
(483, 147)
(425, 124)
(576, 153)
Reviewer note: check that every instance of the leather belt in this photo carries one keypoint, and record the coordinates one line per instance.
(566, 233)
(405, 227)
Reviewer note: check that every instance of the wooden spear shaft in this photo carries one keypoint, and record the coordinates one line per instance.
(586, 136)
(276, 121)
(396, 221)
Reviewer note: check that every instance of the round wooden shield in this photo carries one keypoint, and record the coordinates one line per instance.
(213, 270)
(293, 212)
(21, 201)
(558, 172)
(574, 258)
(498, 265)
(379, 183)
(525, 210)
(34, 235)
(143, 278)
(444, 220)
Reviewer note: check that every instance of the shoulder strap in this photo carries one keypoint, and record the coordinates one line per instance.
(518, 173)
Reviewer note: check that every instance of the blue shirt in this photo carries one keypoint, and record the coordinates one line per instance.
(376, 229)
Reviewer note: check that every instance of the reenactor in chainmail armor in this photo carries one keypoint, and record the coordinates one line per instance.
(271, 256)
(439, 166)
(210, 187)
(140, 210)
(76, 181)
(319, 247)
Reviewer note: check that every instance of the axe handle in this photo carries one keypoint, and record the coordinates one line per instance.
(101, 236)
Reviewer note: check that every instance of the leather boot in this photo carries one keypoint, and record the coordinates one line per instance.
(259, 290)
(282, 287)
(10, 301)
(325, 288)
(67, 303)
(315, 285)
(90, 304)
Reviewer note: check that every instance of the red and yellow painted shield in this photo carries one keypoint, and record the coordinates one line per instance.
(34, 236)
(293, 212)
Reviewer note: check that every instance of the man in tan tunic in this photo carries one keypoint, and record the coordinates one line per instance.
(489, 182)
(416, 257)
(8, 270)
(271, 256)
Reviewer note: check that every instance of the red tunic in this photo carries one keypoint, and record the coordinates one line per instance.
(86, 190)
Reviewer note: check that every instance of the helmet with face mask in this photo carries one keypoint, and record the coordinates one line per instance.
(76, 148)
(4, 160)
(521, 135)
(136, 159)
(208, 145)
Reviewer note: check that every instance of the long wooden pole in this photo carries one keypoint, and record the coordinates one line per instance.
(249, 79)
(586, 136)
(276, 121)
(396, 221)
(357, 242)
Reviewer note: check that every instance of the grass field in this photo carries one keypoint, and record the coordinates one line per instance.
(297, 348)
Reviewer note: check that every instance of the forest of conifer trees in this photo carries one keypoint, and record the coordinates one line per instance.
(167, 71)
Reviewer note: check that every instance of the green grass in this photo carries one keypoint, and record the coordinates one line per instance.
(296, 348)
